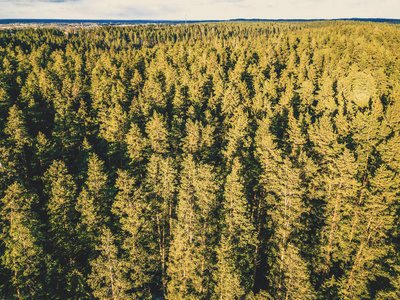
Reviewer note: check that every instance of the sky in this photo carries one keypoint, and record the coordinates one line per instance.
(198, 9)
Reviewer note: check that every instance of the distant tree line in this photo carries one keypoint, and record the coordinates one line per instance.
(212, 161)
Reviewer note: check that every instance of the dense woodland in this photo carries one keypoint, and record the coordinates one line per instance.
(213, 161)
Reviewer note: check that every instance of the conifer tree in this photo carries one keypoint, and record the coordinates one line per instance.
(336, 185)
(16, 129)
(160, 189)
(44, 151)
(10, 169)
(23, 255)
(368, 131)
(66, 131)
(198, 140)
(18, 136)
(191, 252)
(367, 242)
(136, 144)
(153, 96)
(237, 137)
(283, 196)
(4, 102)
(236, 250)
(227, 276)
(326, 100)
(108, 278)
(131, 211)
(157, 133)
(113, 126)
(93, 203)
(64, 269)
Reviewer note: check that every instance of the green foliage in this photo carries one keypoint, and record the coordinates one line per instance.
(193, 233)
(108, 277)
(93, 202)
(131, 211)
(136, 144)
(238, 241)
(61, 190)
(16, 129)
(157, 133)
(23, 256)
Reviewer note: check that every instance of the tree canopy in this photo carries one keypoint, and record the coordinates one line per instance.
(233, 160)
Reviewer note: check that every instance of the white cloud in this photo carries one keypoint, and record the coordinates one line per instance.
(198, 9)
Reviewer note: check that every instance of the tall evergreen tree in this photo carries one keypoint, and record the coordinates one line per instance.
(131, 210)
(66, 132)
(157, 133)
(108, 277)
(238, 240)
(64, 270)
(18, 136)
(161, 188)
(283, 196)
(23, 256)
(191, 253)
(93, 202)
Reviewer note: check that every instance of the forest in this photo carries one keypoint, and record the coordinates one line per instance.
(229, 160)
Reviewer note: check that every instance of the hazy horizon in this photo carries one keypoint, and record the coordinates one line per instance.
(198, 10)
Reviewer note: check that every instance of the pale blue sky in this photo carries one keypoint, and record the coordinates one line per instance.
(198, 9)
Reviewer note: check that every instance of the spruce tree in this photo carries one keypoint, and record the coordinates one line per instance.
(93, 203)
(283, 197)
(66, 132)
(16, 129)
(136, 144)
(131, 211)
(238, 241)
(23, 256)
(18, 136)
(157, 133)
(108, 278)
(160, 193)
(191, 252)
(64, 269)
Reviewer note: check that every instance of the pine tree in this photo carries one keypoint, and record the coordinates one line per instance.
(108, 278)
(136, 144)
(228, 276)
(23, 255)
(157, 133)
(93, 204)
(238, 241)
(238, 141)
(230, 101)
(153, 97)
(326, 100)
(66, 132)
(283, 196)
(198, 140)
(191, 252)
(10, 169)
(16, 129)
(371, 198)
(113, 126)
(368, 245)
(131, 211)
(4, 102)
(64, 269)
(160, 189)
(336, 185)
(18, 136)
(44, 151)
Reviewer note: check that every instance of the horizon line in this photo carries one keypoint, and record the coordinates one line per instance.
(28, 20)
